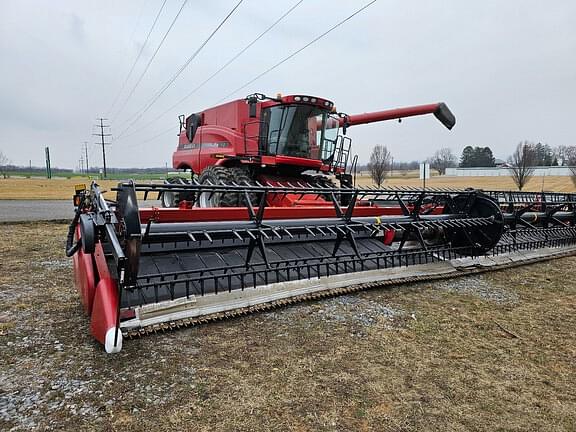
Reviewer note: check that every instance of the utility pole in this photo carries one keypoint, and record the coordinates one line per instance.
(48, 167)
(81, 164)
(86, 153)
(103, 142)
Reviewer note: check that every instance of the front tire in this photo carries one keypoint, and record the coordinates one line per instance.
(242, 177)
(215, 175)
(170, 199)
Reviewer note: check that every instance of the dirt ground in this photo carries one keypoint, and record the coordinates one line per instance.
(483, 353)
(38, 189)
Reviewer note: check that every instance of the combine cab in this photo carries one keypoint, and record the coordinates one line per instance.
(252, 231)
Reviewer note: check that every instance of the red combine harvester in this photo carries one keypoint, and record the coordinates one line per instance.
(262, 224)
(267, 140)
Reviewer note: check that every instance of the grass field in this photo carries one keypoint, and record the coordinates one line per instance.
(61, 188)
(549, 183)
(39, 189)
(482, 353)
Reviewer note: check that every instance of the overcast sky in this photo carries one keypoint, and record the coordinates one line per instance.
(507, 69)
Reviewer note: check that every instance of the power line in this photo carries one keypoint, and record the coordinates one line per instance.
(270, 69)
(152, 58)
(182, 68)
(139, 54)
(171, 128)
(144, 3)
(277, 64)
(164, 132)
(228, 63)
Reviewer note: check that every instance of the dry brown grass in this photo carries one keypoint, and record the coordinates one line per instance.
(551, 183)
(41, 189)
(443, 363)
(38, 189)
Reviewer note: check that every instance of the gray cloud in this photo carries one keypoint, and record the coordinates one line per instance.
(76, 28)
(506, 69)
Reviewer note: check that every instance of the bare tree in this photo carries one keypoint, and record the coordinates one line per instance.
(442, 159)
(379, 164)
(522, 163)
(4, 161)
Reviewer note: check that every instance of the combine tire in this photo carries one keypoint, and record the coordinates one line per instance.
(242, 177)
(172, 199)
(216, 175)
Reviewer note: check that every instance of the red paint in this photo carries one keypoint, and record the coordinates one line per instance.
(101, 264)
(104, 309)
(392, 114)
(85, 279)
(196, 214)
(97, 289)
(389, 237)
(303, 162)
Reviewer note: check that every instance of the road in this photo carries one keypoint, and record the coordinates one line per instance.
(31, 210)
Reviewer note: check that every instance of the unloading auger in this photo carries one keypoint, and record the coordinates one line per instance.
(142, 270)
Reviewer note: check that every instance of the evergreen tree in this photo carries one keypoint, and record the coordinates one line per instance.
(477, 157)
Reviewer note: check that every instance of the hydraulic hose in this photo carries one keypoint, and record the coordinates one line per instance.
(71, 248)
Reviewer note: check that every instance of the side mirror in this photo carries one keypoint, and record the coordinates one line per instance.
(445, 116)
(252, 108)
(192, 124)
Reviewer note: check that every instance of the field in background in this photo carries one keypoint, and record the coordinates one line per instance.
(35, 188)
(548, 183)
(63, 188)
(59, 174)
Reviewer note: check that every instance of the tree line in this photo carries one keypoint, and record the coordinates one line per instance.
(529, 155)
(521, 162)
